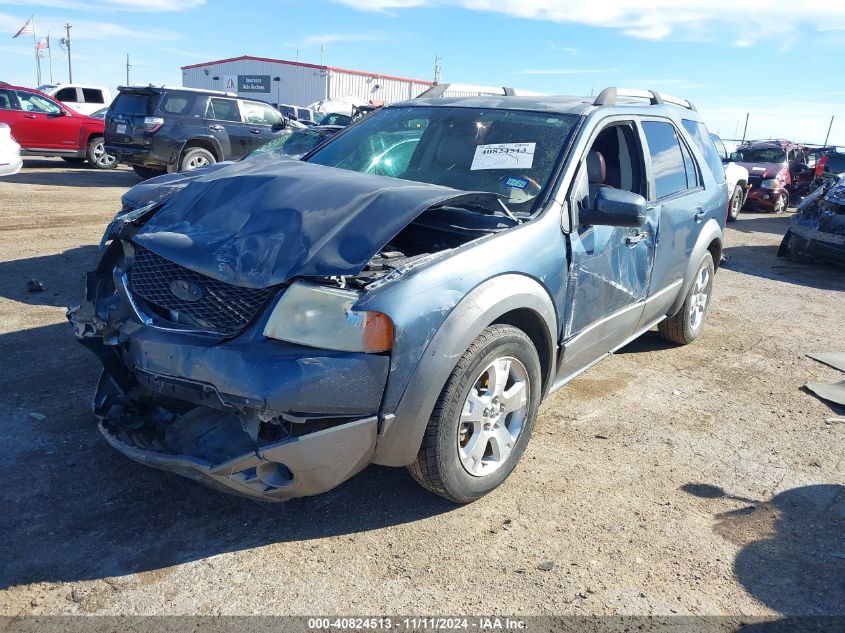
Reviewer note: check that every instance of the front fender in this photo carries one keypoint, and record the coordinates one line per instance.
(711, 232)
(402, 433)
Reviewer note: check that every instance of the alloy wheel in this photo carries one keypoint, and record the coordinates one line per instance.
(101, 157)
(493, 416)
(700, 296)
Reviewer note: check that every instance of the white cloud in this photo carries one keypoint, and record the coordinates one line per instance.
(738, 21)
(97, 6)
(86, 29)
(568, 71)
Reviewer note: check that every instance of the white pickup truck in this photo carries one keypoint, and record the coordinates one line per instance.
(81, 98)
(737, 178)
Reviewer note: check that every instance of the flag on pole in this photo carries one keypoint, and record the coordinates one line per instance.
(42, 44)
(26, 29)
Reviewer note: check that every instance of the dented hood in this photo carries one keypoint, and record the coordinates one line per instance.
(260, 223)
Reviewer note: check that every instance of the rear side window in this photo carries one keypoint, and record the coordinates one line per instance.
(132, 103)
(223, 110)
(92, 95)
(66, 94)
(667, 159)
(700, 135)
(7, 100)
(177, 103)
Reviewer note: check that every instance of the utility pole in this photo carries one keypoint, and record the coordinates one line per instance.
(437, 61)
(69, 66)
(745, 129)
(127, 69)
(829, 127)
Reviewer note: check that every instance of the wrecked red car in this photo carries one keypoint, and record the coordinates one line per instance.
(777, 172)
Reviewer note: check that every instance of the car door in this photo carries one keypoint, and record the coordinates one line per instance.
(681, 203)
(263, 120)
(46, 125)
(226, 124)
(610, 267)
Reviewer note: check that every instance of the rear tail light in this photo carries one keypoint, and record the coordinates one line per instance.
(820, 166)
(153, 123)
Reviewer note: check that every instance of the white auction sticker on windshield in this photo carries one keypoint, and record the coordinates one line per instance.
(503, 156)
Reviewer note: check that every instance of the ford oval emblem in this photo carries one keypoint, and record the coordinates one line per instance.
(185, 290)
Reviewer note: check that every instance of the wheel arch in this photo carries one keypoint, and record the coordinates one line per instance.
(709, 240)
(512, 299)
(203, 143)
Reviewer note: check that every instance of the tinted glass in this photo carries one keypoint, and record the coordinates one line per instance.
(704, 141)
(66, 94)
(670, 174)
(689, 165)
(509, 152)
(7, 100)
(31, 102)
(130, 103)
(92, 95)
(176, 103)
(223, 110)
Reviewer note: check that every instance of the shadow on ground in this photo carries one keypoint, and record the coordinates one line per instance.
(83, 511)
(60, 275)
(762, 261)
(792, 556)
(61, 174)
(776, 224)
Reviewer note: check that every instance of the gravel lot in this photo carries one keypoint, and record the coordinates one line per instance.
(699, 480)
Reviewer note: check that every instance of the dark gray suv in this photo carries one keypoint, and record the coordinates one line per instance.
(406, 294)
(169, 128)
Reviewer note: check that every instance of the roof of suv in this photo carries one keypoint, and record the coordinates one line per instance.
(769, 144)
(152, 88)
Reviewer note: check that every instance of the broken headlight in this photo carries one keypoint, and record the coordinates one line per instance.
(320, 316)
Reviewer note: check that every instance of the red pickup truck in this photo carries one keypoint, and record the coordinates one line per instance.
(45, 127)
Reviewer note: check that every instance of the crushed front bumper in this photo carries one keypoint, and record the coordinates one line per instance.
(249, 415)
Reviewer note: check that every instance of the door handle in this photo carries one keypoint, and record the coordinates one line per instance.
(215, 128)
(29, 116)
(636, 238)
(699, 214)
(255, 131)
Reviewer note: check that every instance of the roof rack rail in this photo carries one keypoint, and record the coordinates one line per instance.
(608, 96)
(438, 90)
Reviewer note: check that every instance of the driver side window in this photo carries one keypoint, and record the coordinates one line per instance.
(31, 102)
(615, 159)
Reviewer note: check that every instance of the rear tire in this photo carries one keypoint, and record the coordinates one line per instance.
(148, 172)
(196, 157)
(97, 156)
(735, 205)
(483, 418)
(684, 327)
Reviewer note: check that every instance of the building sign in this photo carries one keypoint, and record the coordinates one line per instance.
(230, 83)
(253, 83)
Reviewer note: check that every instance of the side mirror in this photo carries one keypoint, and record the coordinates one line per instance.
(736, 157)
(59, 113)
(616, 207)
(281, 125)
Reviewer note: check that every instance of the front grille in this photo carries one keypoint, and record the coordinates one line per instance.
(755, 181)
(205, 303)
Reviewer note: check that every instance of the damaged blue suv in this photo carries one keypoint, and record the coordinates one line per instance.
(406, 294)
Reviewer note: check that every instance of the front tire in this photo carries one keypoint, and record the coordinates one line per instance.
(97, 156)
(483, 418)
(735, 205)
(195, 158)
(684, 327)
